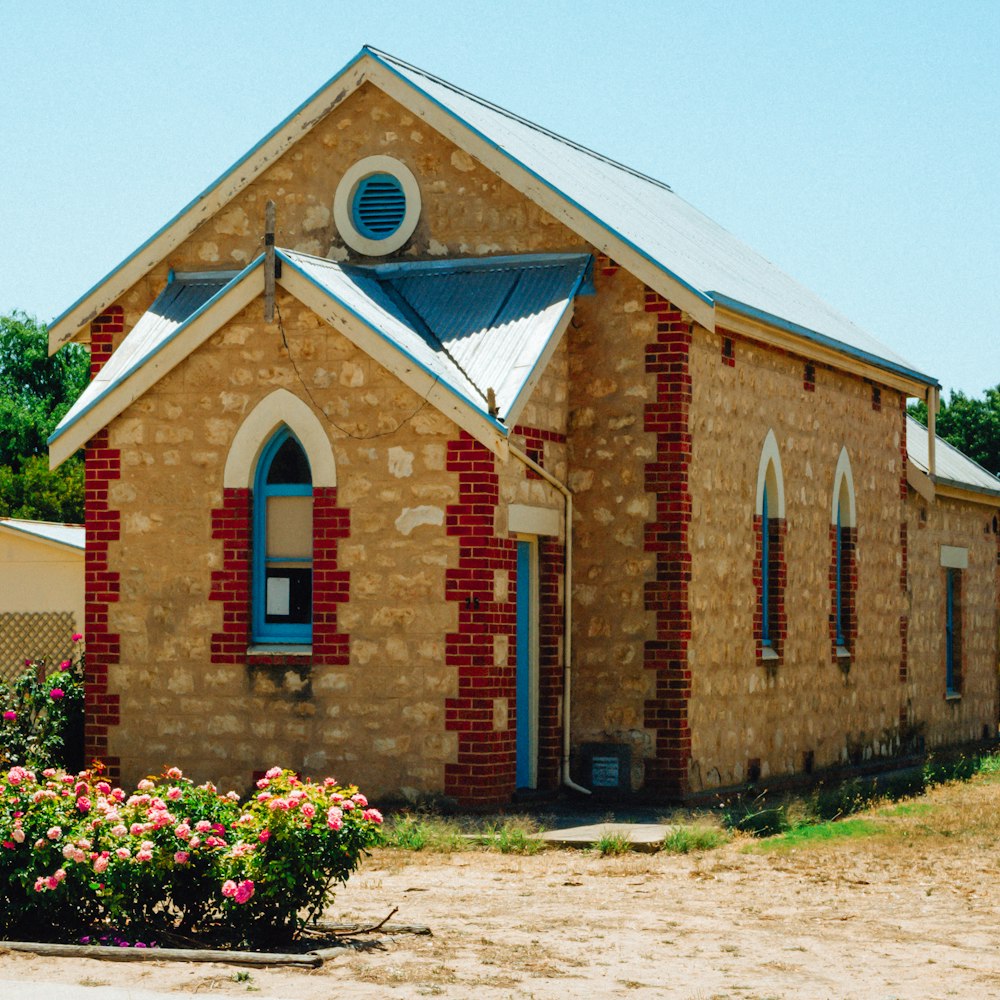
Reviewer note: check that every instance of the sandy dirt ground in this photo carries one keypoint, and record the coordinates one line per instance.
(914, 917)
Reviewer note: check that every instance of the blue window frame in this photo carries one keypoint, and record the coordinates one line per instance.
(282, 543)
(765, 573)
(841, 631)
(952, 639)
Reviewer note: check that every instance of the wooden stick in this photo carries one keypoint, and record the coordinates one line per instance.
(311, 960)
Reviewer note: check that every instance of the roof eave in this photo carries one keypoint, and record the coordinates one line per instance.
(761, 325)
(42, 539)
(966, 491)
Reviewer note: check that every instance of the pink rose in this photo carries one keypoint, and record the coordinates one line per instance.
(18, 834)
(229, 888)
(273, 772)
(174, 773)
(359, 799)
(56, 693)
(10, 716)
(144, 856)
(334, 818)
(55, 832)
(308, 810)
(123, 854)
(181, 857)
(264, 836)
(183, 831)
(203, 825)
(65, 665)
(83, 804)
(100, 864)
(145, 785)
(244, 891)
(174, 793)
(373, 814)
(77, 636)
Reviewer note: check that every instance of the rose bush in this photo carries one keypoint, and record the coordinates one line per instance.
(174, 860)
(41, 715)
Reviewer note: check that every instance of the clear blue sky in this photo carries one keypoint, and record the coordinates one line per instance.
(856, 145)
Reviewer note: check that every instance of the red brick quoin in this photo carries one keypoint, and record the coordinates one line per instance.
(484, 772)
(667, 478)
(231, 524)
(102, 466)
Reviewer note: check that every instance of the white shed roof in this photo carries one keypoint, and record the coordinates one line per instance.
(72, 535)
(951, 466)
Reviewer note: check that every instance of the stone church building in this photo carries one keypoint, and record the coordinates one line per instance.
(493, 465)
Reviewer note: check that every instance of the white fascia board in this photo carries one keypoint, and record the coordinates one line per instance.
(188, 338)
(214, 198)
(425, 384)
(519, 177)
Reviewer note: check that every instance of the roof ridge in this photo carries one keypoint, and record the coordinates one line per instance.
(387, 57)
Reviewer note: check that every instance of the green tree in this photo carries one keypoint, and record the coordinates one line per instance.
(971, 425)
(35, 393)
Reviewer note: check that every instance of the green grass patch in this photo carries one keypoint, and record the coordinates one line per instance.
(818, 834)
(685, 839)
(907, 809)
(511, 836)
(408, 832)
(613, 845)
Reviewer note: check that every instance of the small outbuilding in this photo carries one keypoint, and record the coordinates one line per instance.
(41, 592)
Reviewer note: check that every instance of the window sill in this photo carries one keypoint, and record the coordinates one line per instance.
(280, 649)
(768, 654)
(953, 696)
(843, 653)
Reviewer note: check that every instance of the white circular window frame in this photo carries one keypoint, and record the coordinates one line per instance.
(343, 204)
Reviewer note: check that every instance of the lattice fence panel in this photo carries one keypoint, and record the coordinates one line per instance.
(44, 636)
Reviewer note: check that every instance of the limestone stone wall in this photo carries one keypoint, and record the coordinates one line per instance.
(804, 709)
(608, 452)
(940, 719)
(379, 720)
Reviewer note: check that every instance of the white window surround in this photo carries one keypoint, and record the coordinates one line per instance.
(843, 490)
(343, 204)
(276, 409)
(769, 474)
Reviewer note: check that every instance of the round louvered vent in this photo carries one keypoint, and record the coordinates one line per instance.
(377, 205)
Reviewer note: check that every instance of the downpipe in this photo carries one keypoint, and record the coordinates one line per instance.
(567, 609)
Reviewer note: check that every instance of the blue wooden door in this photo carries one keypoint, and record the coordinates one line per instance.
(527, 670)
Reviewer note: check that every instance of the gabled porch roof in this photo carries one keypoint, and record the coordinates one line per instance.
(454, 331)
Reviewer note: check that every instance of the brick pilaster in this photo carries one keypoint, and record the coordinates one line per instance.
(103, 526)
(666, 713)
(484, 773)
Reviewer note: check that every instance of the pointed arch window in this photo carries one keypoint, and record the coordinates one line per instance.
(769, 567)
(843, 566)
(282, 542)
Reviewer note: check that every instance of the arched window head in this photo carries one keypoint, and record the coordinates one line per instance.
(283, 542)
(770, 578)
(843, 522)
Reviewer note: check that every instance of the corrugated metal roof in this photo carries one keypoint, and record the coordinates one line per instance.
(663, 227)
(476, 324)
(473, 324)
(950, 464)
(73, 535)
(176, 304)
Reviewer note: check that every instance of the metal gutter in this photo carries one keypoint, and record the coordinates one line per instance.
(567, 611)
